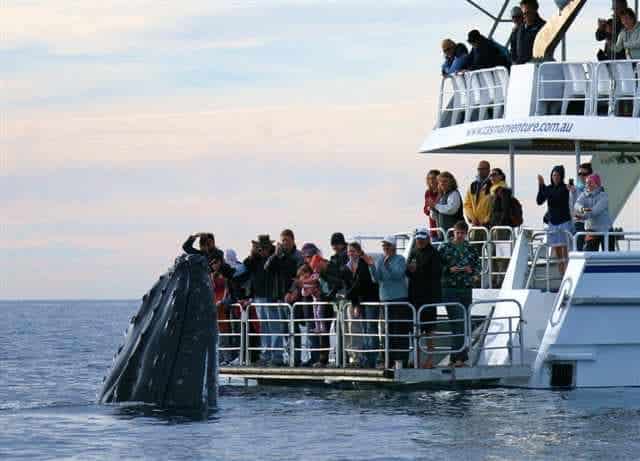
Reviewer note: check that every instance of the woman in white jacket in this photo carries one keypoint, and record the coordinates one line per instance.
(593, 207)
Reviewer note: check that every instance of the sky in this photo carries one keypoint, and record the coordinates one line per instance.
(128, 125)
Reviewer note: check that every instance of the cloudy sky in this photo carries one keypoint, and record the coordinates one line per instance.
(127, 125)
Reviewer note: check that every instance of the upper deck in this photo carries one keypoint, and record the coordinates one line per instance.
(550, 107)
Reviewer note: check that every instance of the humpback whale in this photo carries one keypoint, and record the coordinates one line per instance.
(169, 355)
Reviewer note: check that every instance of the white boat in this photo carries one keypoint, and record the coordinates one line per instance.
(538, 329)
(579, 330)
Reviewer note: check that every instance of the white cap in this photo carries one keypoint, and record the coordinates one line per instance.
(390, 239)
(422, 234)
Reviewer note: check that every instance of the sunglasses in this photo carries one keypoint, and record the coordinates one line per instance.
(583, 173)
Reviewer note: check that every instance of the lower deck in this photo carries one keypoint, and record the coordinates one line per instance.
(434, 377)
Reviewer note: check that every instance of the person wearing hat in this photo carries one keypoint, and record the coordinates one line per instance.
(261, 289)
(423, 271)
(593, 207)
(389, 271)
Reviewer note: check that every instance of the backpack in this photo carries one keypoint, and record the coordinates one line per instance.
(516, 212)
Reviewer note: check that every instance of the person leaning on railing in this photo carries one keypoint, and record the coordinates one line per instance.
(593, 206)
(455, 57)
(460, 271)
(629, 38)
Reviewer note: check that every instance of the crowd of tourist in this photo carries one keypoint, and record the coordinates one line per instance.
(621, 36)
(443, 266)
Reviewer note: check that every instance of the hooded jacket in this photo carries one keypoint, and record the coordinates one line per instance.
(525, 37)
(598, 219)
(557, 198)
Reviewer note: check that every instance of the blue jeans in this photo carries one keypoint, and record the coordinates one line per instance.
(372, 342)
(264, 313)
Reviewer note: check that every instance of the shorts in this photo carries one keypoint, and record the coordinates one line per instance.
(557, 234)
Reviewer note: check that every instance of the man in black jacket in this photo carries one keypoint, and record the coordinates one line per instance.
(335, 274)
(485, 53)
(282, 267)
(526, 33)
(424, 271)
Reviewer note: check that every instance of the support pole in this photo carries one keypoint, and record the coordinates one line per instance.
(512, 168)
(578, 155)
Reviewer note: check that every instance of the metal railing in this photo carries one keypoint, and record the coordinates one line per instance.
(400, 333)
(510, 331)
(318, 327)
(236, 335)
(440, 329)
(472, 95)
(274, 320)
(537, 246)
(595, 85)
(611, 239)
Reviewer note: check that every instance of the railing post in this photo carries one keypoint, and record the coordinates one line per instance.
(416, 335)
(292, 336)
(338, 353)
(241, 352)
(510, 341)
(386, 336)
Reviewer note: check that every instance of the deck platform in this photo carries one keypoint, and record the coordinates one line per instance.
(440, 377)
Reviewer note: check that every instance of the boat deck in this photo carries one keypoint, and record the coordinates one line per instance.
(440, 377)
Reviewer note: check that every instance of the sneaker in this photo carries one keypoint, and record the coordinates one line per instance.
(235, 362)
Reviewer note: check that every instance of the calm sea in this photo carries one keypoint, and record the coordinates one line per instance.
(53, 355)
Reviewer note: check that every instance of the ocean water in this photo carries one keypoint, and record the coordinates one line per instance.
(53, 355)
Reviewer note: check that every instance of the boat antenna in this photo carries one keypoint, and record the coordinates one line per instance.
(497, 19)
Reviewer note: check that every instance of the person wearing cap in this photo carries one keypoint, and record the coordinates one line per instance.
(424, 271)
(455, 57)
(593, 207)
(389, 271)
(460, 271)
(261, 291)
(486, 53)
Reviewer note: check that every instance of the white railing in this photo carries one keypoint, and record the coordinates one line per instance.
(472, 95)
(604, 88)
(402, 334)
(318, 330)
(611, 240)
